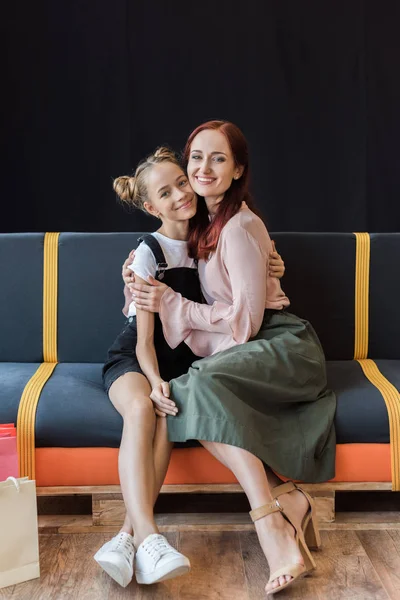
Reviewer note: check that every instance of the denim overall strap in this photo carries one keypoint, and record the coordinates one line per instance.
(156, 249)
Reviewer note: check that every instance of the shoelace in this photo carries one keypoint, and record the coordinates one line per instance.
(157, 548)
(125, 543)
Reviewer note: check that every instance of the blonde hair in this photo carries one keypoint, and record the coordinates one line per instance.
(132, 190)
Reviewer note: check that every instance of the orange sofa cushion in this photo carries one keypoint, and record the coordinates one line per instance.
(99, 466)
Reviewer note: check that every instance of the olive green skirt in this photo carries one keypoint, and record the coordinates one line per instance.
(268, 396)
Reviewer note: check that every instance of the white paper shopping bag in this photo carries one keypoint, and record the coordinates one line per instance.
(19, 540)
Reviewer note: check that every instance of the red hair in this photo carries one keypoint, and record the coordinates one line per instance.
(204, 234)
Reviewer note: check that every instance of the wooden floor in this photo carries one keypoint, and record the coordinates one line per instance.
(353, 565)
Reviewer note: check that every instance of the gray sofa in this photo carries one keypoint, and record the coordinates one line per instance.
(74, 432)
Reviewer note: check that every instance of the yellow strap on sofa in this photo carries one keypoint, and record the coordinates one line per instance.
(361, 295)
(26, 419)
(50, 287)
(392, 399)
(390, 394)
(31, 394)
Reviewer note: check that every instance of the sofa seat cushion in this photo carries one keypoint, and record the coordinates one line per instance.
(74, 411)
(13, 378)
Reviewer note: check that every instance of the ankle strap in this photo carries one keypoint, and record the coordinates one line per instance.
(285, 488)
(266, 509)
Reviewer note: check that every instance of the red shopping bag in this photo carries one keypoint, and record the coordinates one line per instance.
(8, 451)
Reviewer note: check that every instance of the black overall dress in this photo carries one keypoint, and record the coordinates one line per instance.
(122, 357)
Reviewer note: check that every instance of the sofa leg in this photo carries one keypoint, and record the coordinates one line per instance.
(325, 505)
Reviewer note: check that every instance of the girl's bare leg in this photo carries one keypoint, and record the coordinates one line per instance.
(130, 395)
(162, 449)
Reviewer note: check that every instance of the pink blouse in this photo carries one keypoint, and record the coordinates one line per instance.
(236, 278)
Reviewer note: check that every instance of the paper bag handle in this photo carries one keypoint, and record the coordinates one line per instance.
(15, 482)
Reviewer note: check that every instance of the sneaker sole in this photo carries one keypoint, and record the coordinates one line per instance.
(113, 571)
(173, 569)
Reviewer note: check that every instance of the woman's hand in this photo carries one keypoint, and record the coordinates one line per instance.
(127, 275)
(276, 264)
(148, 296)
(163, 406)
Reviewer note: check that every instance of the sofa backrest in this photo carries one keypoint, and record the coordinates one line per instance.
(90, 293)
(319, 280)
(21, 297)
(320, 283)
(384, 318)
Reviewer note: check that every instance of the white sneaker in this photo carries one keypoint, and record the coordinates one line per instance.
(116, 558)
(157, 560)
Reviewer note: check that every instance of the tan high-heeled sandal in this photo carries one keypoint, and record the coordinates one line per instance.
(309, 524)
(296, 571)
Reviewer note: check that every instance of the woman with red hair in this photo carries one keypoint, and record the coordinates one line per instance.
(260, 398)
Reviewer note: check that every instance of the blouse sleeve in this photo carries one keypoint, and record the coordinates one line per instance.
(246, 266)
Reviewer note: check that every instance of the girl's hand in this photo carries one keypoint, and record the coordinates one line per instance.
(127, 275)
(148, 296)
(163, 406)
(276, 264)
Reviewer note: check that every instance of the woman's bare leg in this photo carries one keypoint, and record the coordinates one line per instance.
(275, 534)
(130, 395)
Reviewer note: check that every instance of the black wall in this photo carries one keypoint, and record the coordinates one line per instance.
(90, 87)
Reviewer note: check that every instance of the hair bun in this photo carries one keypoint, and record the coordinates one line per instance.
(124, 187)
(165, 153)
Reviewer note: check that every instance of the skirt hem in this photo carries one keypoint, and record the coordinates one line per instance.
(207, 432)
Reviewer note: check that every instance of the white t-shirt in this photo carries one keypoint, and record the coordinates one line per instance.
(144, 263)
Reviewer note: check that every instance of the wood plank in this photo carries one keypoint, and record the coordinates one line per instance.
(255, 565)
(383, 550)
(71, 560)
(215, 522)
(117, 497)
(110, 509)
(166, 522)
(225, 565)
(371, 520)
(56, 570)
(370, 517)
(6, 593)
(89, 581)
(212, 488)
(62, 524)
(217, 566)
(325, 506)
(348, 486)
(66, 490)
(112, 512)
(344, 571)
(257, 573)
(359, 526)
